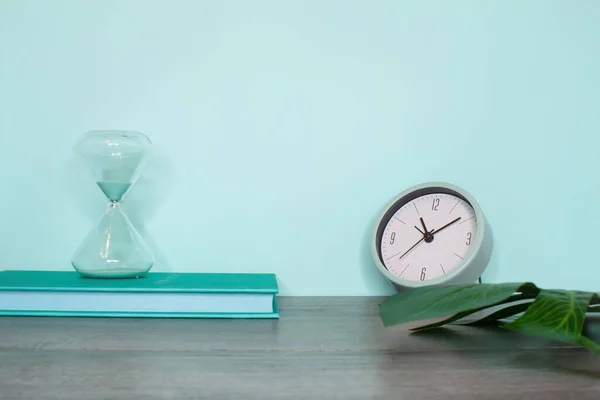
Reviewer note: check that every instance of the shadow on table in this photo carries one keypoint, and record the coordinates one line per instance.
(515, 349)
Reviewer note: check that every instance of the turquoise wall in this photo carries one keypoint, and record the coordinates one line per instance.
(282, 127)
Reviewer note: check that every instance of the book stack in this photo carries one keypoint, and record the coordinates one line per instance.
(157, 294)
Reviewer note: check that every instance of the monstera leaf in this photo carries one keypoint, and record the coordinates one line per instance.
(523, 307)
(559, 315)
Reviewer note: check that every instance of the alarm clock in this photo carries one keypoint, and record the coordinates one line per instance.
(432, 234)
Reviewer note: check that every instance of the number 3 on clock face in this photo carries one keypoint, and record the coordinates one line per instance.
(432, 234)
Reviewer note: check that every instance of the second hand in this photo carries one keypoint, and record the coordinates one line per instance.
(413, 246)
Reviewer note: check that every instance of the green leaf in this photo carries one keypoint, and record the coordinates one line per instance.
(441, 301)
(558, 315)
(555, 314)
(595, 301)
(504, 312)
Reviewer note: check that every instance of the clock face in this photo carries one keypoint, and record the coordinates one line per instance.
(428, 237)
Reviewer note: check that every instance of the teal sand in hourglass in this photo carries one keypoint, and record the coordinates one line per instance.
(114, 248)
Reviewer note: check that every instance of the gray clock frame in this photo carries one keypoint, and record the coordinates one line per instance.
(475, 261)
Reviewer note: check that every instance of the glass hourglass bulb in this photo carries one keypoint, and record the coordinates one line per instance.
(114, 248)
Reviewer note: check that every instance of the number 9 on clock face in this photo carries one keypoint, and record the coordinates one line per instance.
(432, 234)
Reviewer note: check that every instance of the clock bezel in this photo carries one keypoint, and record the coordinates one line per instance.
(475, 261)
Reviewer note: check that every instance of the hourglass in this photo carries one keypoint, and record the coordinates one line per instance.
(114, 248)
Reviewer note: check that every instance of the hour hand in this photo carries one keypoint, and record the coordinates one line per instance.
(424, 227)
(422, 233)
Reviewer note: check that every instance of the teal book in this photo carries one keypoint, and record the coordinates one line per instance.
(158, 294)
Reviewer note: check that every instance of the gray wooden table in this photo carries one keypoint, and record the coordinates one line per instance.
(321, 348)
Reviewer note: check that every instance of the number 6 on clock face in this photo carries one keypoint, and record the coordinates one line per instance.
(432, 234)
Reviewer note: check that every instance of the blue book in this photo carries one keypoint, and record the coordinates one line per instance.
(158, 294)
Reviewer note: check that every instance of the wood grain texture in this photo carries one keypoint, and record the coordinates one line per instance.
(321, 348)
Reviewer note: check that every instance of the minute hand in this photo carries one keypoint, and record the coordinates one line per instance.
(445, 226)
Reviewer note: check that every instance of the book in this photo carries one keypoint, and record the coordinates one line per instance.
(157, 294)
